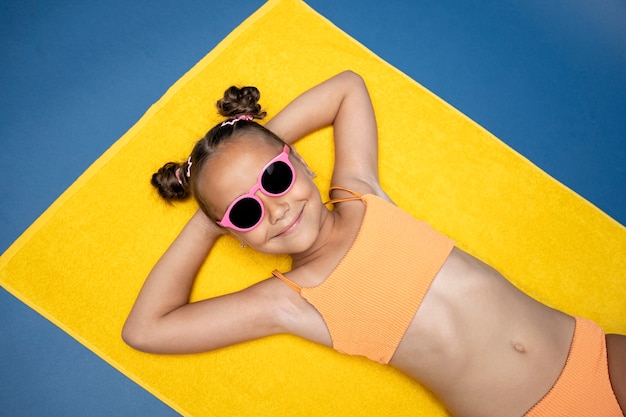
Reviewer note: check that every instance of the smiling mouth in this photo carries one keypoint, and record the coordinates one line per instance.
(292, 226)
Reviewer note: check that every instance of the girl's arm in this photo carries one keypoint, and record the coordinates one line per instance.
(162, 319)
(343, 102)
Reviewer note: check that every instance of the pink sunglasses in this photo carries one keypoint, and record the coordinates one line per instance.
(275, 180)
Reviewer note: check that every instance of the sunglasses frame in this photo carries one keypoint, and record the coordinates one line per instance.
(282, 157)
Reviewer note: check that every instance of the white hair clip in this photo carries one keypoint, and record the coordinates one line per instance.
(236, 119)
(189, 163)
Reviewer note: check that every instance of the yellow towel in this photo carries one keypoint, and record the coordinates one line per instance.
(82, 263)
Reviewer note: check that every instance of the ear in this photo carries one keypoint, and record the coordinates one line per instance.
(300, 159)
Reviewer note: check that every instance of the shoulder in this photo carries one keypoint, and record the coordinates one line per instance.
(291, 313)
(281, 303)
(361, 187)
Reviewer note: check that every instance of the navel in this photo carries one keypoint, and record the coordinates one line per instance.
(519, 347)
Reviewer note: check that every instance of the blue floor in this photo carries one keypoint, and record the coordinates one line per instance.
(548, 77)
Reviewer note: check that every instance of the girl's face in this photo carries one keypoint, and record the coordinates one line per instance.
(291, 222)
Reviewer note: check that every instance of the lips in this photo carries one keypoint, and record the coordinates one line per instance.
(292, 226)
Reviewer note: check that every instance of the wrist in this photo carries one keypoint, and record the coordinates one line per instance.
(201, 222)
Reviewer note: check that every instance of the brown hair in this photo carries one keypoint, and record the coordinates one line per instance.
(241, 107)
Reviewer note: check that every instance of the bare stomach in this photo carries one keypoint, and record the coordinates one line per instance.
(481, 345)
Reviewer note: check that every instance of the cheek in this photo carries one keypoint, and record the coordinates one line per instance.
(252, 238)
(304, 187)
(304, 190)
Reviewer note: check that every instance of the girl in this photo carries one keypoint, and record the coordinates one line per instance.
(367, 278)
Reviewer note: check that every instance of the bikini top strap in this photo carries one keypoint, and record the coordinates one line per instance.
(286, 280)
(356, 195)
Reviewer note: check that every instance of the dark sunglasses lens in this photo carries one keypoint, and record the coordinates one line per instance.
(277, 178)
(246, 213)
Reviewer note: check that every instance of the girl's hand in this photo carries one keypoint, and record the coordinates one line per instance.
(203, 222)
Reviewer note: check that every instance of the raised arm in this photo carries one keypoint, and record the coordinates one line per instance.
(162, 319)
(343, 102)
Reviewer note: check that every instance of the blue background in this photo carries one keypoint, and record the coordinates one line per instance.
(548, 77)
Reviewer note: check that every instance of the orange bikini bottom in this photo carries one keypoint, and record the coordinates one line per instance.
(583, 388)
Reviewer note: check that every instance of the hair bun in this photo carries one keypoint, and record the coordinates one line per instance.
(171, 181)
(238, 101)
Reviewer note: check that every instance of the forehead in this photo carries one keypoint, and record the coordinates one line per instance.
(234, 169)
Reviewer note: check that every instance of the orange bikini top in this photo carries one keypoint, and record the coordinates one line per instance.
(369, 300)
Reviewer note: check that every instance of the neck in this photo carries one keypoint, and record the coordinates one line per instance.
(328, 228)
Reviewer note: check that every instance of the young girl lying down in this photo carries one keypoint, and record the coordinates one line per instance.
(367, 278)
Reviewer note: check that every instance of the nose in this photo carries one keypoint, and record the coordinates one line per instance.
(275, 207)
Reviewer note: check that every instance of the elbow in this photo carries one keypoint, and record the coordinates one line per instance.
(352, 76)
(130, 336)
(352, 81)
(137, 337)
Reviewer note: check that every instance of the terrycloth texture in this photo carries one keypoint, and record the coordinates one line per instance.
(82, 263)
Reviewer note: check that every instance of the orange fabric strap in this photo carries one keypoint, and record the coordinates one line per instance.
(286, 280)
(356, 195)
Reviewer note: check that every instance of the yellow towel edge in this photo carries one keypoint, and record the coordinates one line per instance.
(110, 153)
(92, 170)
(534, 166)
(105, 357)
(128, 136)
